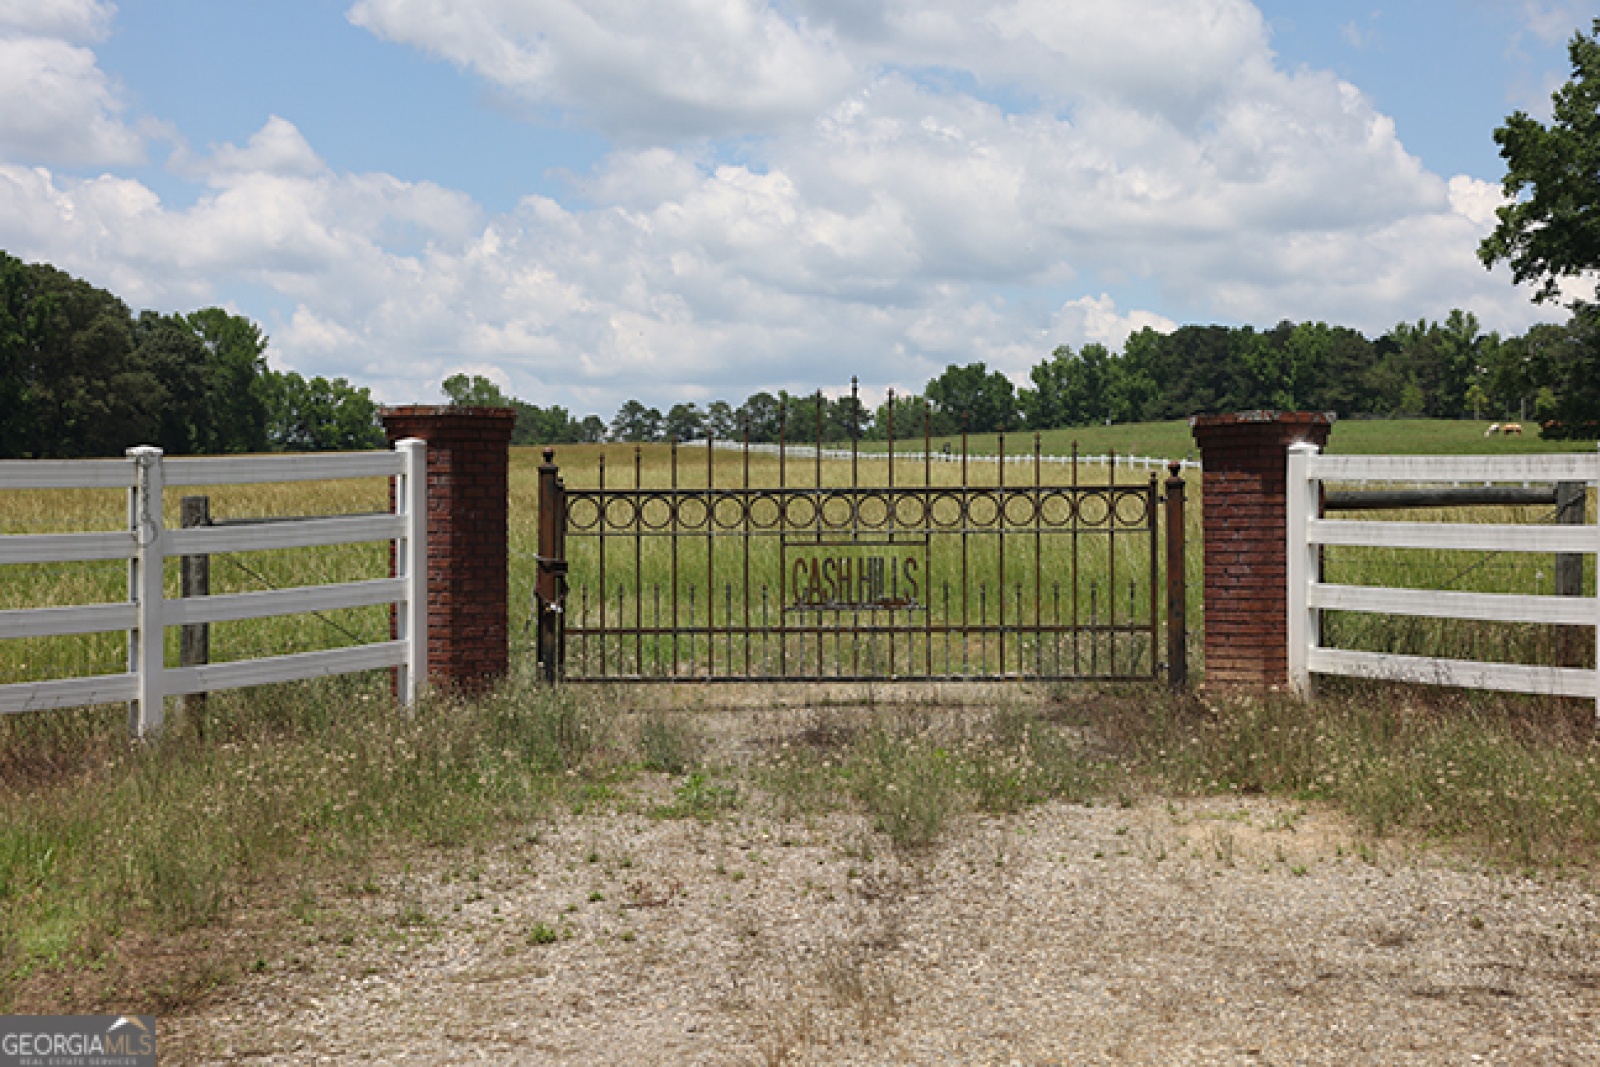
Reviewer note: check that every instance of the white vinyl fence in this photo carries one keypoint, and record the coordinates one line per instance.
(1142, 464)
(1308, 595)
(146, 544)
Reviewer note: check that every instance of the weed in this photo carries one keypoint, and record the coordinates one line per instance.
(668, 743)
(911, 788)
(542, 934)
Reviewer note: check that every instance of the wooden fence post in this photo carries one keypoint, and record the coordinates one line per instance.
(194, 640)
(1571, 503)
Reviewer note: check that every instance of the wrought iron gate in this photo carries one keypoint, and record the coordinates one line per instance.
(797, 564)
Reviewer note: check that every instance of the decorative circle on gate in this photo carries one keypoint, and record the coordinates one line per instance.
(983, 509)
(1055, 509)
(729, 513)
(583, 512)
(765, 511)
(655, 513)
(910, 511)
(1132, 509)
(800, 512)
(1093, 508)
(621, 513)
(873, 512)
(1019, 509)
(945, 511)
(692, 512)
(837, 511)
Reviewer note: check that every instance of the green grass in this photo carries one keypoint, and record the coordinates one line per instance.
(95, 837)
(1515, 780)
(1173, 440)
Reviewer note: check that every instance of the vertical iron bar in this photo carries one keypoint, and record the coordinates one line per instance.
(1111, 559)
(855, 404)
(783, 540)
(1077, 509)
(966, 636)
(1154, 526)
(601, 548)
(1038, 554)
(746, 513)
(1094, 630)
(672, 549)
(656, 644)
(927, 537)
(711, 572)
(638, 565)
(1177, 582)
(1000, 548)
(1055, 595)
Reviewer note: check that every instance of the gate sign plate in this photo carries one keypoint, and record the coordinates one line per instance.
(855, 575)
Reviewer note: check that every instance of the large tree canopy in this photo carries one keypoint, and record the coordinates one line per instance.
(1553, 231)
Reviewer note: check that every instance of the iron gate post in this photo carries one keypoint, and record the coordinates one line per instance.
(1177, 587)
(549, 591)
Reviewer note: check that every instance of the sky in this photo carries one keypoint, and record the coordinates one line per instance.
(588, 201)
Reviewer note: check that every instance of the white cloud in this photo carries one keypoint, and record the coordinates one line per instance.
(884, 223)
(57, 106)
(73, 20)
(635, 68)
(1555, 21)
(1095, 320)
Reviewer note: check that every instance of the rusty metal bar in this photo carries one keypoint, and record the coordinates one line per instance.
(1177, 581)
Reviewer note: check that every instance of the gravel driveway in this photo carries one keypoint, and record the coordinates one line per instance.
(1170, 932)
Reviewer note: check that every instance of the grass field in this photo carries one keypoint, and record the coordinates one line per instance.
(1172, 440)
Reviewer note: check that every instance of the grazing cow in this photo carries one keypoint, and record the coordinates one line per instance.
(1512, 429)
(1494, 428)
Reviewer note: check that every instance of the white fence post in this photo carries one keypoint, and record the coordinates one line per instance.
(411, 563)
(1301, 567)
(146, 644)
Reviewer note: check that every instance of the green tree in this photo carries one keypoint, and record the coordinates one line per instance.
(475, 391)
(319, 414)
(635, 422)
(765, 415)
(236, 368)
(985, 399)
(684, 422)
(1551, 228)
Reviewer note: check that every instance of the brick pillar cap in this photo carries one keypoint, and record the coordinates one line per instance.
(1245, 418)
(434, 411)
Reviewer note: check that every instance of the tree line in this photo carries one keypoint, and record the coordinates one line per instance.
(81, 375)
(1447, 370)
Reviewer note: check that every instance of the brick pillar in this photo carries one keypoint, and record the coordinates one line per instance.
(468, 461)
(1244, 512)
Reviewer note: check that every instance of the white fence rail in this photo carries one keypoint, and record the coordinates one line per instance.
(147, 544)
(1143, 464)
(1308, 595)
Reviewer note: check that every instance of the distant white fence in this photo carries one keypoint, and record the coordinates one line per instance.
(146, 544)
(1131, 463)
(1308, 595)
